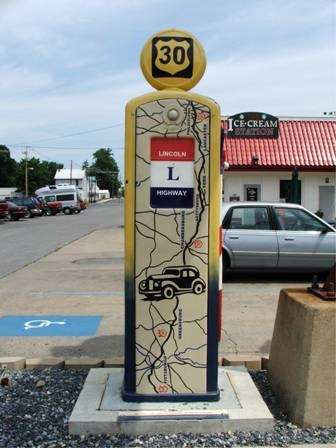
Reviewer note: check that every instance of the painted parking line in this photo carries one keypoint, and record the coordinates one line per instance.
(49, 325)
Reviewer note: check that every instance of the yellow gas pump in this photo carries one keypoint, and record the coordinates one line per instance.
(172, 228)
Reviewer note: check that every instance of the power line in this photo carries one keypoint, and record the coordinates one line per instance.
(78, 133)
(93, 148)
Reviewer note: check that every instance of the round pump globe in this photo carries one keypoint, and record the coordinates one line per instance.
(173, 59)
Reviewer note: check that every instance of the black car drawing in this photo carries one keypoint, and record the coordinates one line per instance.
(173, 281)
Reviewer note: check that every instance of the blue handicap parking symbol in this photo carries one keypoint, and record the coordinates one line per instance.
(49, 325)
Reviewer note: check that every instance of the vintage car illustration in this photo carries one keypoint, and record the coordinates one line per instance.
(173, 281)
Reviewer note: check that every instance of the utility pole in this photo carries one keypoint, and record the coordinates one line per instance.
(26, 171)
(71, 172)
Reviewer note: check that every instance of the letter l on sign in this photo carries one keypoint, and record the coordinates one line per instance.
(170, 173)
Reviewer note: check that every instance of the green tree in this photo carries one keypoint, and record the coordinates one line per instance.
(39, 174)
(106, 171)
(8, 167)
(85, 165)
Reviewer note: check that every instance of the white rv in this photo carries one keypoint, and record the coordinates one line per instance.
(69, 195)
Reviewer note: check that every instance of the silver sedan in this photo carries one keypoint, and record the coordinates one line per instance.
(275, 237)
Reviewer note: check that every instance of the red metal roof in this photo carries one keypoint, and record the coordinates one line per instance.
(307, 144)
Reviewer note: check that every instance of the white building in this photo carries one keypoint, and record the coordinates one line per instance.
(87, 185)
(74, 177)
(7, 192)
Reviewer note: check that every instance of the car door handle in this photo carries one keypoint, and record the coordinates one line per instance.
(289, 238)
(234, 237)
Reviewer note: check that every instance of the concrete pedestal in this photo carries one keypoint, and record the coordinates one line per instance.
(302, 358)
(100, 408)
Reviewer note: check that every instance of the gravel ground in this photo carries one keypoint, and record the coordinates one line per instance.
(35, 406)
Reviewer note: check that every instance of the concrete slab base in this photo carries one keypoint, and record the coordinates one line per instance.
(100, 408)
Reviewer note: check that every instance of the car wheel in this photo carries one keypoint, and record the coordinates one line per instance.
(198, 288)
(48, 212)
(168, 292)
(67, 211)
(27, 214)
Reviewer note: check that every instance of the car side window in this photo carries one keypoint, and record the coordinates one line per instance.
(173, 272)
(297, 220)
(250, 218)
(50, 198)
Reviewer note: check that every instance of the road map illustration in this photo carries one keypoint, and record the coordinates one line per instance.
(171, 246)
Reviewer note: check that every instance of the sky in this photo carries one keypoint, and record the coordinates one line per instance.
(68, 68)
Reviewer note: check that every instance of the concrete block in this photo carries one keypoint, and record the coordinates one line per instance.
(12, 363)
(250, 361)
(115, 361)
(44, 363)
(264, 362)
(233, 360)
(253, 362)
(83, 362)
(303, 358)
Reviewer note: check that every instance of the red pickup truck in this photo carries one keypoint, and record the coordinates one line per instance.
(54, 207)
(3, 210)
(50, 208)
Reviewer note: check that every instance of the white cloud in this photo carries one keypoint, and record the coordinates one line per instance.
(70, 66)
(290, 83)
(17, 80)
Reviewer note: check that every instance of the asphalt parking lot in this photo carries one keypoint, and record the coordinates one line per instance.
(27, 240)
(82, 285)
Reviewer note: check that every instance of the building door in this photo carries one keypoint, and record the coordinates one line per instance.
(327, 201)
(286, 190)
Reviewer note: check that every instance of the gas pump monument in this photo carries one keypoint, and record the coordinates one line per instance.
(172, 228)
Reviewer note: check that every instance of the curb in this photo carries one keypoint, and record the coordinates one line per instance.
(250, 361)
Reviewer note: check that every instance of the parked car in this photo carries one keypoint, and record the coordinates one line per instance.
(3, 210)
(15, 212)
(82, 205)
(174, 280)
(32, 205)
(50, 208)
(42, 205)
(275, 237)
(55, 207)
